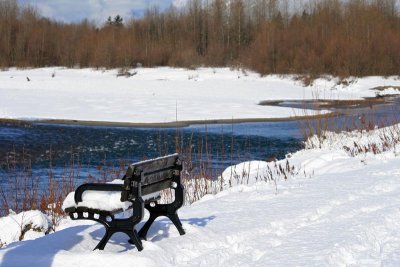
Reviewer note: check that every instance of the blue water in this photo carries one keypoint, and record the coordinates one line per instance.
(39, 147)
(88, 147)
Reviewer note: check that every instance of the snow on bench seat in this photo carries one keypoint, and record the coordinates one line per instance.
(102, 200)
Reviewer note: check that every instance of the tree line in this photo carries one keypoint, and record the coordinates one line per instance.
(357, 37)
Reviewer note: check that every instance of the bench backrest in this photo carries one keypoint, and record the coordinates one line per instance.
(153, 175)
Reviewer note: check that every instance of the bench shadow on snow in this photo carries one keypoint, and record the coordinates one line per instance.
(161, 229)
(41, 252)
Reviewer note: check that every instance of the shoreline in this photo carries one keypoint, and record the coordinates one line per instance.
(178, 124)
(335, 108)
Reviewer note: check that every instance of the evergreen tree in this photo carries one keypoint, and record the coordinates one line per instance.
(109, 21)
(118, 21)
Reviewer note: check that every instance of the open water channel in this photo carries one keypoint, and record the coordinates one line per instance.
(86, 149)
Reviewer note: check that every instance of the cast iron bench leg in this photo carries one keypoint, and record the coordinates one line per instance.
(135, 240)
(175, 220)
(103, 242)
(157, 211)
(167, 210)
(146, 226)
(113, 225)
(133, 235)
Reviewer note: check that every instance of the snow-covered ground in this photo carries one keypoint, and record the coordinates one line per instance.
(162, 95)
(340, 206)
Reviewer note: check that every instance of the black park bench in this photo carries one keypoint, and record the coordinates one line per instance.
(139, 189)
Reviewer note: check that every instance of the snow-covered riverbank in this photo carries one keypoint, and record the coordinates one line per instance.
(339, 207)
(163, 95)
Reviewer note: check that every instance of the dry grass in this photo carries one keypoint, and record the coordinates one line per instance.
(21, 189)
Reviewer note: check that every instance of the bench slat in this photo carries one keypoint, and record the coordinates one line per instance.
(157, 176)
(148, 189)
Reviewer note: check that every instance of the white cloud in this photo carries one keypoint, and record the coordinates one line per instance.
(179, 3)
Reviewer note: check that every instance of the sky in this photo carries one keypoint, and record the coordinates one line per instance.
(95, 10)
(99, 10)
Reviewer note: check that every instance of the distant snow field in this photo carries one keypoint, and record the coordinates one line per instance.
(339, 207)
(162, 95)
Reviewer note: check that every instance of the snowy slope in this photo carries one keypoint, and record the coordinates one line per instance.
(339, 209)
(160, 95)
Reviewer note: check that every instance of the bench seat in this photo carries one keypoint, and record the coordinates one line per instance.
(102, 201)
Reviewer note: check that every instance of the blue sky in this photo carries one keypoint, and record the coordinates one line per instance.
(94, 10)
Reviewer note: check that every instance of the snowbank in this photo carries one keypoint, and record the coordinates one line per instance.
(162, 95)
(23, 226)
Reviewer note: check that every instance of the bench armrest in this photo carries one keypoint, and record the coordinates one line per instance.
(96, 187)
